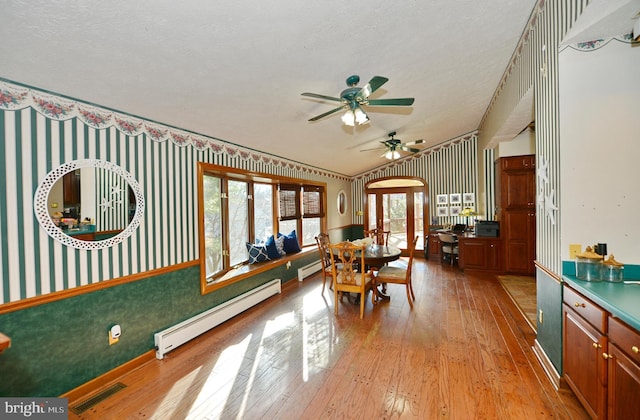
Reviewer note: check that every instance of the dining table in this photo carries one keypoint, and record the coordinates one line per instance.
(376, 256)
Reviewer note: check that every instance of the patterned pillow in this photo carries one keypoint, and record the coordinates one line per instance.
(280, 245)
(257, 253)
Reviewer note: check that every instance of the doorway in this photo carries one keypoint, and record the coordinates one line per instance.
(399, 206)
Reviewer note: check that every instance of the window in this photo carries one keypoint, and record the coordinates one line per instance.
(305, 216)
(239, 207)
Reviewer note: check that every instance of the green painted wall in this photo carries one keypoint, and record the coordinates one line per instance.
(58, 346)
(549, 333)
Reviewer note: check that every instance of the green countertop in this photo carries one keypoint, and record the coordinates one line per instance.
(619, 299)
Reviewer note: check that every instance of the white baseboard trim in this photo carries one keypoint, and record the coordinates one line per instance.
(550, 370)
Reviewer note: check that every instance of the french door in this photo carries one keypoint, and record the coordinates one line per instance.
(399, 210)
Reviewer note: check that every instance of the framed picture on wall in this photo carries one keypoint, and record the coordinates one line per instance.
(455, 198)
(443, 211)
(468, 198)
(455, 210)
(442, 199)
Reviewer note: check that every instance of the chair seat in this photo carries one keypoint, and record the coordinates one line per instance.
(449, 249)
(391, 272)
(358, 279)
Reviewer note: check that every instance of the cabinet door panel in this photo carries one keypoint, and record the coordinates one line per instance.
(583, 364)
(623, 386)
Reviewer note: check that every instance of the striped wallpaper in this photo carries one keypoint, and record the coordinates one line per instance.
(39, 132)
(534, 65)
(449, 168)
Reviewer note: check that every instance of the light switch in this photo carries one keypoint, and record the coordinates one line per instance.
(574, 249)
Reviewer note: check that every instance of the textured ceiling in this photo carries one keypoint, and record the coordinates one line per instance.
(234, 70)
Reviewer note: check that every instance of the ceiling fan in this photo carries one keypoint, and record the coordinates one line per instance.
(393, 145)
(354, 98)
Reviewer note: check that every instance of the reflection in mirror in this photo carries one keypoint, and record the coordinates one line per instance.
(89, 204)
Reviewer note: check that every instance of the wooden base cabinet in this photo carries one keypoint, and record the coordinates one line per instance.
(479, 253)
(583, 364)
(601, 359)
(623, 357)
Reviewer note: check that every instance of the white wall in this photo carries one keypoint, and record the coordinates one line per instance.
(523, 144)
(600, 149)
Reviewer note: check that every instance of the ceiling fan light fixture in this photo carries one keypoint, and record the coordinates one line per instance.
(360, 116)
(392, 154)
(349, 118)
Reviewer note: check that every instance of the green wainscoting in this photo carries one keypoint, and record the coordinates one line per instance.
(58, 346)
(549, 333)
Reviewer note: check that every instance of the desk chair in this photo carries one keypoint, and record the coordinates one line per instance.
(346, 278)
(399, 275)
(449, 246)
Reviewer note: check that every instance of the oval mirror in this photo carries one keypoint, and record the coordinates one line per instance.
(89, 204)
(342, 202)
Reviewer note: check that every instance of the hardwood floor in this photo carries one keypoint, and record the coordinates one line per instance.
(463, 352)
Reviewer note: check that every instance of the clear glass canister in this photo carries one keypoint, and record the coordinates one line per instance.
(588, 269)
(612, 270)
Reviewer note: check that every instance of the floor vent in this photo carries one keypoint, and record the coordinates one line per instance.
(85, 405)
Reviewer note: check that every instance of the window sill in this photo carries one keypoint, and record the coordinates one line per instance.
(249, 270)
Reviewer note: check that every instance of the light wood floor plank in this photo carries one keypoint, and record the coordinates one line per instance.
(463, 352)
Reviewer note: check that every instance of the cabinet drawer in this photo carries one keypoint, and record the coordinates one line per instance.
(588, 310)
(625, 337)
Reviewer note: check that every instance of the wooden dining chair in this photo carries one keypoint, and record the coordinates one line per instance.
(322, 240)
(347, 278)
(393, 274)
(379, 236)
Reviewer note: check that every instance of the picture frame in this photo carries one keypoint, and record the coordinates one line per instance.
(469, 198)
(455, 210)
(442, 199)
(455, 198)
(443, 211)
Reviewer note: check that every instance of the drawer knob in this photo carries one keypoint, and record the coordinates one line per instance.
(579, 305)
(607, 356)
(597, 346)
(635, 349)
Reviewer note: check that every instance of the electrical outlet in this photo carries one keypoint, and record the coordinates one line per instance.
(540, 316)
(113, 340)
(574, 249)
(288, 265)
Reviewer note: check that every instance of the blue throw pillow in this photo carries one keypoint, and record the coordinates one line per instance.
(272, 249)
(257, 253)
(291, 245)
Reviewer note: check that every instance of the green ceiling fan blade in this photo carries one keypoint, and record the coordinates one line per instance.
(409, 149)
(316, 118)
(373, 85)
(411, 143)
(390, 102)
(328, 98)
(384, 146)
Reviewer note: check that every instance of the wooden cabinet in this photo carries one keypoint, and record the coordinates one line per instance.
(601, 359)
(479, 253)
(623, 377)
(434, 247)
(516, 208)
(583, 364)
(71, 188)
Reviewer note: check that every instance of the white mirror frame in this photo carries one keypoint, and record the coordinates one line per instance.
(341, 203)
(42, 194)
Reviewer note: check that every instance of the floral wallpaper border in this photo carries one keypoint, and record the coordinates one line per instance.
(13, 97)
(599, 43)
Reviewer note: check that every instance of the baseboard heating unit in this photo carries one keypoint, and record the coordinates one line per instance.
(172, 337)
(309, 269)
